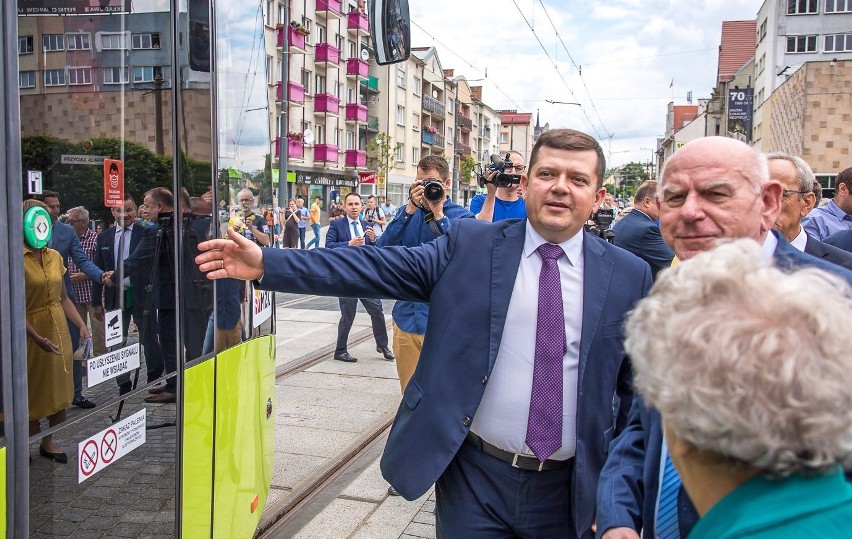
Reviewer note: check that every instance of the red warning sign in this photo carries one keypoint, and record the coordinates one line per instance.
(89, 458)
(109, 446)
(113, 183)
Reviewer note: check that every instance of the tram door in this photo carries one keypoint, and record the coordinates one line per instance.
(136, 394)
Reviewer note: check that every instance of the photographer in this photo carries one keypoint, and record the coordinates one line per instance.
(251, 225)
(375, 216)
(600, 222)
(501, 203)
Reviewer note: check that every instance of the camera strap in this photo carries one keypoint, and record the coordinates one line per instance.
(429, 218)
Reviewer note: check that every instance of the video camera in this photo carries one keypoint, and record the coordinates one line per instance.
(603, 219)
(499, 165)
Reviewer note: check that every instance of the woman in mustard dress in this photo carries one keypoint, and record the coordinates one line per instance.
(49, 355)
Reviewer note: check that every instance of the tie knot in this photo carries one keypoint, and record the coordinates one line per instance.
(548, 251)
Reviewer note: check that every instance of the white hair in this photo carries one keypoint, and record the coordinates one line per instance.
(804, 174)
(743, 364)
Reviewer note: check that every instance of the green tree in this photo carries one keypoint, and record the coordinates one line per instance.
(466, 169)
(381, 153)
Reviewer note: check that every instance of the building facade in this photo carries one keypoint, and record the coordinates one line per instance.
(516, 132)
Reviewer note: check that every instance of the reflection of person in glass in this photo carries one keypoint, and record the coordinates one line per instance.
(50, 384)
(250, 224)
(396, 31)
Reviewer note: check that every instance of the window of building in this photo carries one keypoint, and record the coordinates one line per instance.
(53, 42)
(147, 73)
(761, 32)
(78, 42)
(449, 133)
(319, 135)
(761, 64)
(115, 75)
(282, 14)
(78, 76)
(802, 7)
(320, 34)
(400, 115)
(400, 152)
(114, 41)
(25, 44)
(838, 6)
(270, 70)
(796, 44)
(351, 49)
(416, 89)
(339, 42)
(338, 90)
(415, 122)
(54, 77)
(319, 84)
(338, 137)
(415, 155)
(270, 11)
(27, 79)
(306, 80)
(351, 95)
(400, 76)
(838, 43)
(350, 140)
(308, 24)
(146, 41)
(395, 193)
(504, 137)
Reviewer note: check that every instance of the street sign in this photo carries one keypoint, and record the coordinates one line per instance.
(82, 159)
(34, 182)
(110, 444)
(111, 364)
(113, 328)
(113, 183)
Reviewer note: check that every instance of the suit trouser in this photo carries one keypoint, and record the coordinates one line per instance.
(347, 316)
(194, 330)
(148, 339)
(167, 322)
(406, 348)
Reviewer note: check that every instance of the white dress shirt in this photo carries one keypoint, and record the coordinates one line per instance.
(121, 257)
(503, 414)
(352, 230)
(800, 241)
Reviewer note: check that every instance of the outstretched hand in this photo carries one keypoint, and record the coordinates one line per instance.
(237, 258)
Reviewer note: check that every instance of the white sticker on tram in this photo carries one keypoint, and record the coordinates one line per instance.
(96, 453)
(108, 366)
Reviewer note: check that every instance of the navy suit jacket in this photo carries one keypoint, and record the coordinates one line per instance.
(64, 239)
(467, 275)
(105, 258)
(339, 233)
(627, 492)
(829, 253)
(640, 235)
(841, 240)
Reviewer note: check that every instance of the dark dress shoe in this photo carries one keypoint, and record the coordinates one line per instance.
(386, 352)
(156, 390)
(392, 491)
(344, 356)
(60, 457)
(162, 398)
(83, 402)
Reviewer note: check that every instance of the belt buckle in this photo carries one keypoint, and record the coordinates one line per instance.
(515, 463)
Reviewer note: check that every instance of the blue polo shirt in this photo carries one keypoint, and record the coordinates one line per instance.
(502, 209)
(411, 231)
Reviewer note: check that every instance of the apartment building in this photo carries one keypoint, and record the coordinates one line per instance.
(516, 132)
(730, 108)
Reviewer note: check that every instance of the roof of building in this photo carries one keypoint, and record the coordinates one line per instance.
(683, 114)
(508, 117)
(736, 47)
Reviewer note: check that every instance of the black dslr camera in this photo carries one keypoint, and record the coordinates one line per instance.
(433, 190)
(500, 165)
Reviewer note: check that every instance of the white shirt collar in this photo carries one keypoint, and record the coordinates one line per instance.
(801, 240)
(572, 247)
(767, 250)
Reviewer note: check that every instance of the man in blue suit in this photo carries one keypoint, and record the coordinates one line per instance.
(522, 380)
(639, 233)
(711, 189)
(841, 240)
(351, 231)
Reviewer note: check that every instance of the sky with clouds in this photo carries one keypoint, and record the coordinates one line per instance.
(628, 51)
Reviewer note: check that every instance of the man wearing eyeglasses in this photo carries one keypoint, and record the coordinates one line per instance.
(255, 227)
(501, 203)
(797, 199)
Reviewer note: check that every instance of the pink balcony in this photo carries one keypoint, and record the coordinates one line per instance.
(356, 158)
(296, 40)
(295, 92)
(357, 67)
(358, 21)
(327, 53)
(332, 6)
(326, 103)
(356, 112)
(325, 152)
(295, 149)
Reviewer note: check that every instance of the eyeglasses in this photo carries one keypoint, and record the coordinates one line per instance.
(787, 193)
(519, 168)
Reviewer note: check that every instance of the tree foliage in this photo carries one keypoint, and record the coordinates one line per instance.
(381, 153)
(466, 165)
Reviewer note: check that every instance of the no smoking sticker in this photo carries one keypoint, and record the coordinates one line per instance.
(109, 445)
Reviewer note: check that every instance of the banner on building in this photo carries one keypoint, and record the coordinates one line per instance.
(739, 113)
(72, 7)
(367, 177)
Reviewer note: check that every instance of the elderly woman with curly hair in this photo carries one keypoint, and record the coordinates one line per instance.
(752, 378)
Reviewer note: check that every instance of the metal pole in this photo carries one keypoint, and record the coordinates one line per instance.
(284, 125)
(158, 114)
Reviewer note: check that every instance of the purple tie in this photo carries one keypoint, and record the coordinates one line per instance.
(544, 428)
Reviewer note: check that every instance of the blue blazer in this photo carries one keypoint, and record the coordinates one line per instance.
(105, 258)
(467, 275)
(339, 233)
(841, 240)
(64, 239)
(640, 235)
(627, 493)
(829, 253)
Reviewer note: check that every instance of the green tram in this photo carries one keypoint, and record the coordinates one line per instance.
(108, 98)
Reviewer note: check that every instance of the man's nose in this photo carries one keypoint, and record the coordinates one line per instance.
(692, 208)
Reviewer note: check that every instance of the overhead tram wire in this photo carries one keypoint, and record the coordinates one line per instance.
(565, 82)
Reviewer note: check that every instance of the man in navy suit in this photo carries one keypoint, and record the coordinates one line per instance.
(522, 381)
(639, 233)
(128, 292)
(841, 240)
(350, 231)
(797, 200)
(712, 188)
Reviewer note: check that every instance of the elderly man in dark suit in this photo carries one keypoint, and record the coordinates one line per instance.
(522, 381)
(350, 231)
(639, 233)
(711, 189)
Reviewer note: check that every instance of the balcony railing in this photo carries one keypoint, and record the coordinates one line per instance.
(370, 84)
(326, 103)
(463, 149)
(356, 67)
(433, 105)
(326, 52)
(358, 22)
(356, 112)
(373, 124)
(432, 139)
(326, 153)
(464, 122)
(356, 158)
(331, 7)
(295, 148)
(295, 39)
(295, 92)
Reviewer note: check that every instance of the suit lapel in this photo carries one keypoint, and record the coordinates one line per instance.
(505, 258)
(597, 274)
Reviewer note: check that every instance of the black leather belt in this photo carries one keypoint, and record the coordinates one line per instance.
(517, 461)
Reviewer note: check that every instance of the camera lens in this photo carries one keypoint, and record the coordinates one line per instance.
(433, 191)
